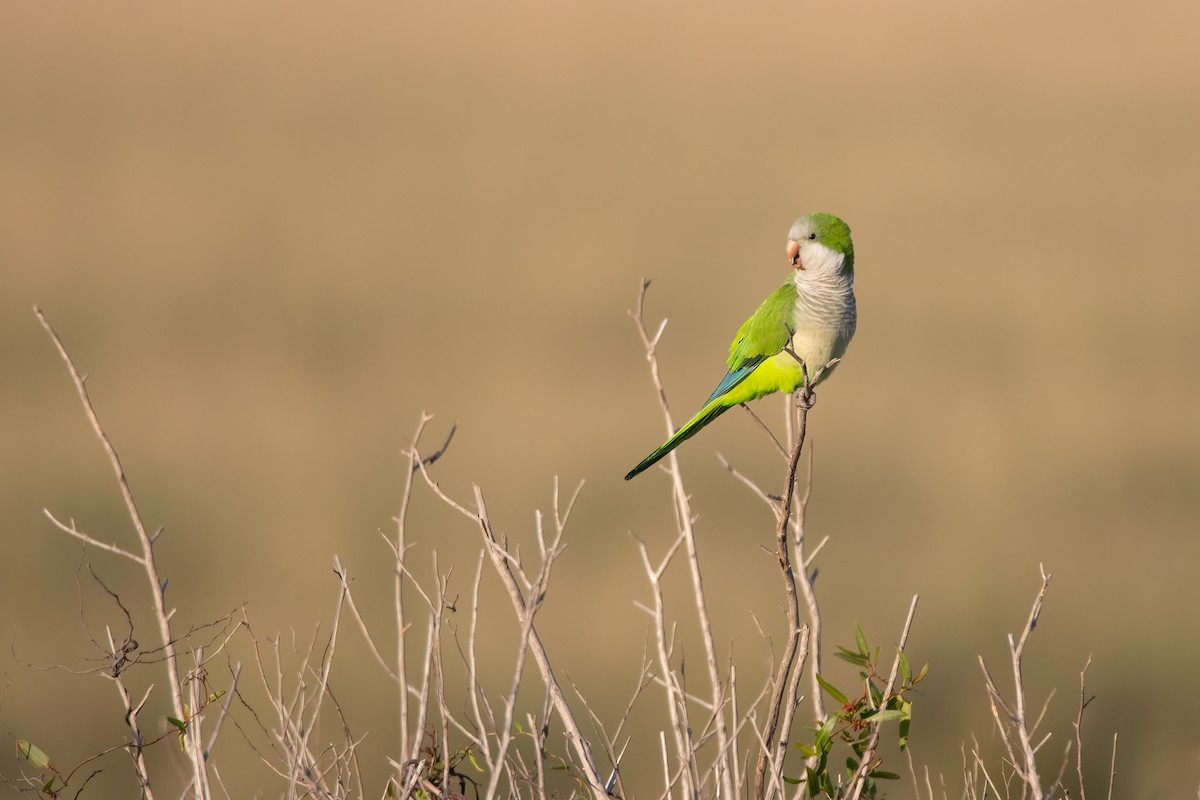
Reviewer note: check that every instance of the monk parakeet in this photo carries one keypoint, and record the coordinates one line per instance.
(814, 310)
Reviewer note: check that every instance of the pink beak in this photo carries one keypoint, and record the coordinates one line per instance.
(793, 254)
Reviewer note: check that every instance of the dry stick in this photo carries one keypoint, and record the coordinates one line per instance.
(430, 667)
(366, 631)
(676, 707)
(998, 705)
(310, 725)
(224, 714)
(812, 642)
(1083, 703)
(1062, 770)
(501, 561)
(439, 672)
(538, 761)
(811, 637)
(398, 587)
(1112, 770)
(137, 743)
(859, 780)
(423, 695)
(99, 545)
(767, 751)
(1042, 715)
(783, 553)
(294, 731)
(503, 567)
(733, 740)
(195, 742)
(986, 776)
(473, 670)
(770, 433)
(810, 596)
(683, 507)
(609, 741)
(400, 549)
(791, 701)
(536, 593)
(161, 614)
(1029, 774)
(741, 723)
(667, 782)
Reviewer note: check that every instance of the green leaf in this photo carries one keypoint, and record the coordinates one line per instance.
(854, 658)
(887, 776)
(832, 690)
(921, 674)
(810, 780)
(861, 641)
(178, 723)
(904, 724)
(793, 781)
(887, 714)
(824, 738)
(33, 754)
(876, 693)
(905, 673)
(49, 785)
(807, 750)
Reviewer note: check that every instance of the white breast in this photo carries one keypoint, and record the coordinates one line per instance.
(826, 317)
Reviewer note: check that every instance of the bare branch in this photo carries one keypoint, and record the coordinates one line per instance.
(777, 748)
(147, 559)
(859, 780)
(83, 537)
(503, 564)
(771, 434)
(685, 521)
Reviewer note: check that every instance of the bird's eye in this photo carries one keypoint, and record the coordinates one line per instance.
(812, 236)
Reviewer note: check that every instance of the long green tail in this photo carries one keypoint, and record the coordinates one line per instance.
(711, 410)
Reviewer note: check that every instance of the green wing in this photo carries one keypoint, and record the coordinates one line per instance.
(765, 334)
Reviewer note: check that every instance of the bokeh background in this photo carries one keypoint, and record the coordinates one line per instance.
(274, 233)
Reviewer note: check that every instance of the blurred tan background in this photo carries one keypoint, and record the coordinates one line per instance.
(274, 233)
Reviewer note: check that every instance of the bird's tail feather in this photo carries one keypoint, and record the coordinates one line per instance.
(711, 411)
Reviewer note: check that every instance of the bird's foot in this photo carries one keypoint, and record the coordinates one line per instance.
(806, 398)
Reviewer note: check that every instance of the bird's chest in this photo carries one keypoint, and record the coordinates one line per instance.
(818, 346)
(822, 332)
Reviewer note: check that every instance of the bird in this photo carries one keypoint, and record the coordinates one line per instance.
(813, 311)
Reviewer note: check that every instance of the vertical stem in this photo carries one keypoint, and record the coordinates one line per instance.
(149, 564)
(398, 588)
(684, 510)
(783, 554)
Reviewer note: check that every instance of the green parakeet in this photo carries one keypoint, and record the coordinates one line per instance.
(814, 310)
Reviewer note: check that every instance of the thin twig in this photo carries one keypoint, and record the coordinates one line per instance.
(771, 434)
(1112, 770)
(147, 559)
(503, 564)
(859, 780)
(791, 645)
(684, 517)
(1083, 703)
(1029, 773)
(803, 560)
